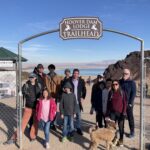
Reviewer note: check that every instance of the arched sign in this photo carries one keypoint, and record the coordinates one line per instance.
(81, 28)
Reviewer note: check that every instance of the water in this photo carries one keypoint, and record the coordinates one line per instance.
(84, 72)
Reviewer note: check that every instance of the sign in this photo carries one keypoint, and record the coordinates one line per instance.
(7, 84)
(81, 28)
(6, 64)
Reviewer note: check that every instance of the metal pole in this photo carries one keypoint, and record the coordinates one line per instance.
(20, 80)
(20, 93)
(108, 30)
(142, 98)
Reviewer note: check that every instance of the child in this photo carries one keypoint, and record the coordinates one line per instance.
(68, 107)
(46, 111)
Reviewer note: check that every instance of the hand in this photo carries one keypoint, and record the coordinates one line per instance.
(82, 100)
(123, 116)
(91, 111)
(74, 116)
(62, 116)
(130, 105)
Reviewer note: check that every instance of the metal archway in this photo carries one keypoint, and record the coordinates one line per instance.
(19, 94)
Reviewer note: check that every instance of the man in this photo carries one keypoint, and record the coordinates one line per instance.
(96, 100)
(79, 90)
(129, 87)
(53, 82)
(41, 76)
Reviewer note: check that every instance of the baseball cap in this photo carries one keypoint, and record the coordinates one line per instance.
(40, 66)
(32, 75)
(67, 70)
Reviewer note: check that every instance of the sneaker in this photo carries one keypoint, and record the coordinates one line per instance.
(53, 127)
(47, 145)
(70, 138)
(79, 131)
(120, 143)
(131, 135)
(64, 139)
(11, 141)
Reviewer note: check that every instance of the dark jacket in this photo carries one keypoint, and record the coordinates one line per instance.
(96, 98)
(42, 80)
(63, 82)
(31, 93)
(68, 104)
(81, 90)
(129, 87)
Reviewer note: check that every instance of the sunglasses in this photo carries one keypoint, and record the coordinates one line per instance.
(125, 73)
(115, 84)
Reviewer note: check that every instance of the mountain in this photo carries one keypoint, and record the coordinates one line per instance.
(132, 61)
(88, 65)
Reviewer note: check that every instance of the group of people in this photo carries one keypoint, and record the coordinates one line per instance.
(48, 95)
(114, 99)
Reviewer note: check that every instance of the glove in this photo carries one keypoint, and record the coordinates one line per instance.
(123, 116)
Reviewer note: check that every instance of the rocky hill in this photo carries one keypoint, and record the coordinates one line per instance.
(132, 61)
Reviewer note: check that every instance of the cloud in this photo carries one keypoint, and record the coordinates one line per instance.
(42, 26)
(3, 42)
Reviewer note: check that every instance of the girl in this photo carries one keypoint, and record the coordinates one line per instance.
(46, 111)
(117, 108)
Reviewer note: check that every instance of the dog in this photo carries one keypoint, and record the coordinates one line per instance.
(103, 134)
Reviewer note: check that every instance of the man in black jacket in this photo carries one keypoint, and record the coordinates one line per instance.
(79, 90)
(129, 87)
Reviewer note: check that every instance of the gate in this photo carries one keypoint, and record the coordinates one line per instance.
(141, 135)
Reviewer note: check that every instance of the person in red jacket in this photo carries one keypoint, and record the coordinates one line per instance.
(45, 112)
(117, 108)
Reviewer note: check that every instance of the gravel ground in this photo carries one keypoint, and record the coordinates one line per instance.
(8, 123)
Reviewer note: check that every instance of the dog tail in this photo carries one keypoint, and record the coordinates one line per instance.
(93, 128)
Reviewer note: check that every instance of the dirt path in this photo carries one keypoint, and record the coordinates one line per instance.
(80, 142)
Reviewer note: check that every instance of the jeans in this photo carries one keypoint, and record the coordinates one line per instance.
(46, 128)
(68, 126)
(78, 118)
(117, 117)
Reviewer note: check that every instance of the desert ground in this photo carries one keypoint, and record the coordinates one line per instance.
(8, 124)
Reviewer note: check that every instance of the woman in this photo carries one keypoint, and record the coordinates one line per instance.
(32, 91)
(46, 111)
(117, 108)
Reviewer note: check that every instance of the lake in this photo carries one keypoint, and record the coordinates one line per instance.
(84, 72)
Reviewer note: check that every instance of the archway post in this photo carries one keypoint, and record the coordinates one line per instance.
(19, 93)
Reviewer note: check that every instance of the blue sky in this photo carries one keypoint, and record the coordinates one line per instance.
(22, 18)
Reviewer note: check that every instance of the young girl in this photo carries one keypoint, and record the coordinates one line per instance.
(46, 111)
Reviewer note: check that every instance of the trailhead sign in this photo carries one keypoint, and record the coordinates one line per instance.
(81, 28)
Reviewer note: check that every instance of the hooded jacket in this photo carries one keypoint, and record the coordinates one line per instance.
(52, 112)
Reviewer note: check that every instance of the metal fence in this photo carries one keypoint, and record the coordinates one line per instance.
(9, 107)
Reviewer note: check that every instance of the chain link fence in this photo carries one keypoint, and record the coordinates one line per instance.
(8, 106)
